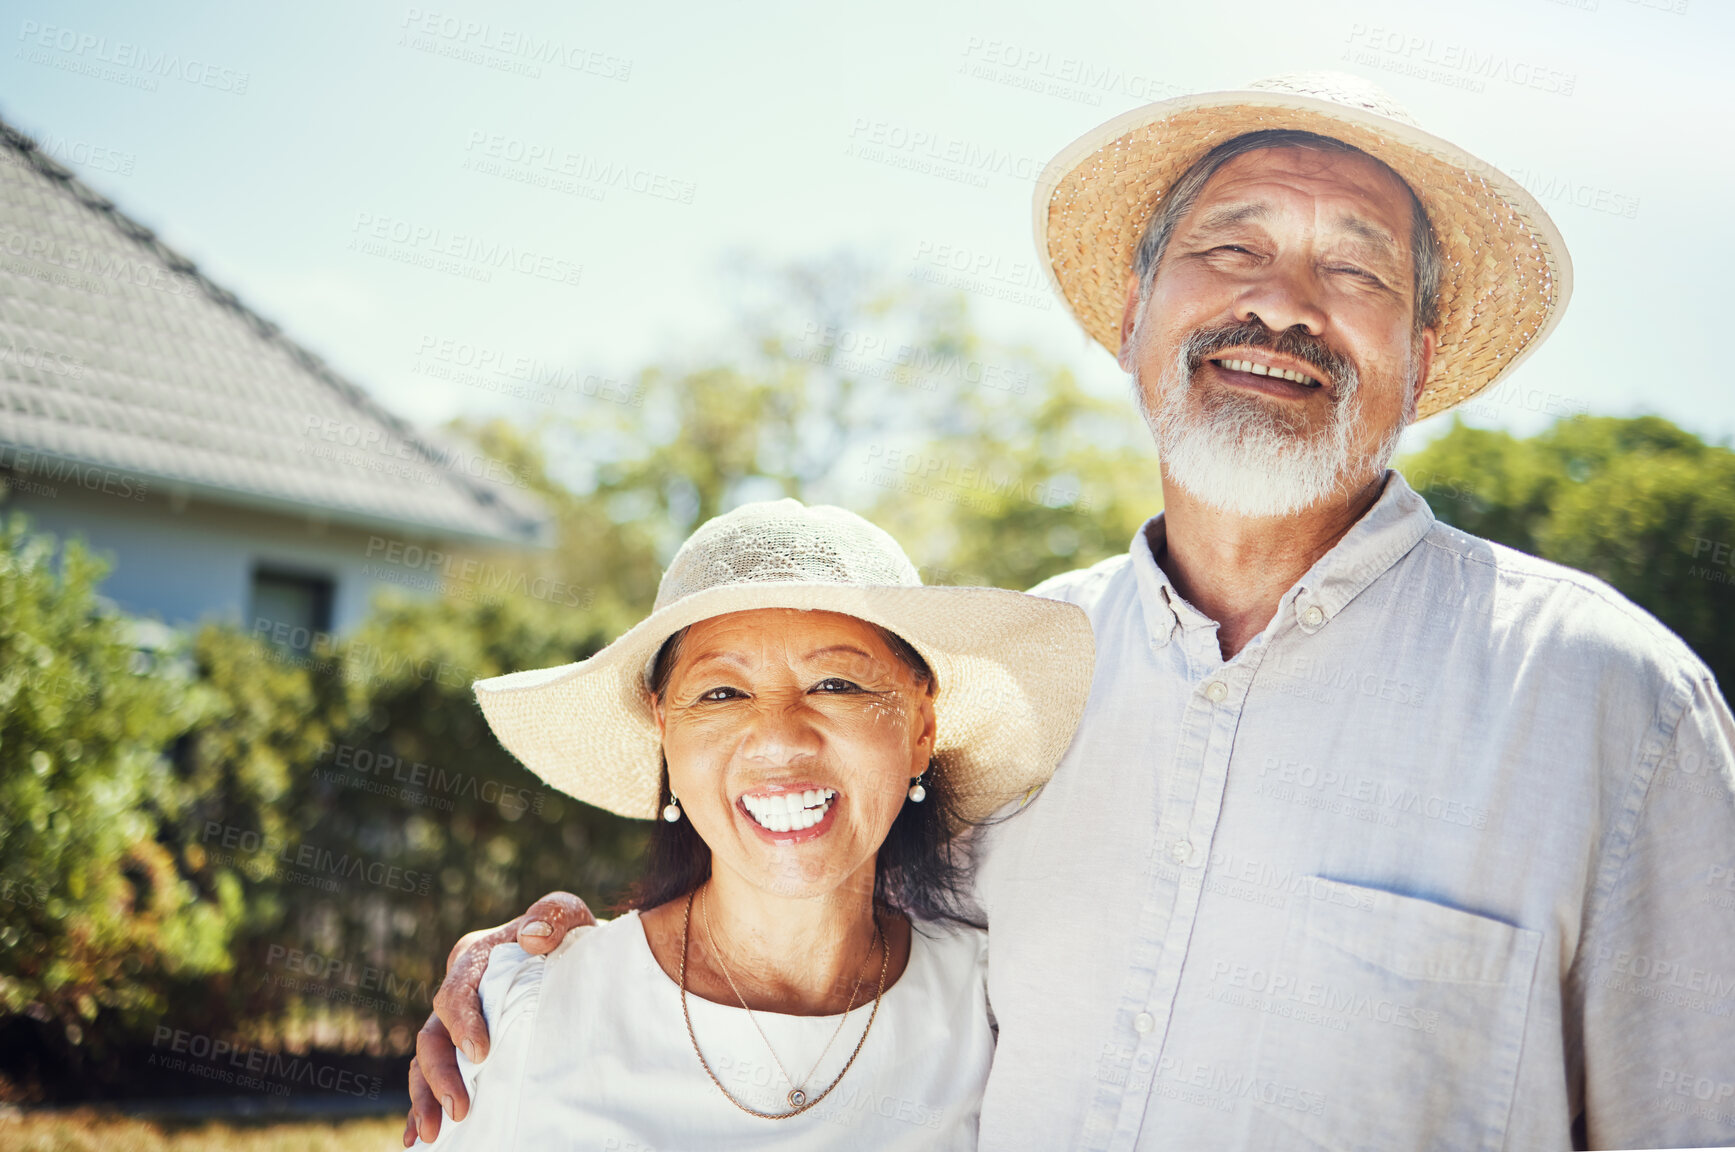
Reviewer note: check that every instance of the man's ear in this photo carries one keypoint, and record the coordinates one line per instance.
(1426, 366)
(1129, 321)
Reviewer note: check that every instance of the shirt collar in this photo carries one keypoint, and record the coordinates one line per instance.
(1395, 523)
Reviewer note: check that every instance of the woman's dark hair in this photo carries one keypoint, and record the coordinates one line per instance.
(918, 871)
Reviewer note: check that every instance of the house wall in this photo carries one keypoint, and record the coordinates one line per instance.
(184, 560)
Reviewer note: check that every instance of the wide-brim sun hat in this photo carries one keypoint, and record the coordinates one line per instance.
(1506, 277)
(1013, 671)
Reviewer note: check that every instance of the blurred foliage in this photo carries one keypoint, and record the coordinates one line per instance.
(97, 915)
(1638, 502)
(418, 782)
(989, 464)
(1029, 486)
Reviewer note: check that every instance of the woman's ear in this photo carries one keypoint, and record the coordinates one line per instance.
(925, 743)
(657, 711)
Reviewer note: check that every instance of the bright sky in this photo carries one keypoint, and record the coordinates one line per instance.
(310, 155)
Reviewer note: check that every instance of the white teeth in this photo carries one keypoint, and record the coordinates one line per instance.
(790, 811)
(1262, 370)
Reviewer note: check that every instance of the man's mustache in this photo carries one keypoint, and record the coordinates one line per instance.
(1333, 367)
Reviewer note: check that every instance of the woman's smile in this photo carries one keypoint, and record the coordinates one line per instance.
(781, 810)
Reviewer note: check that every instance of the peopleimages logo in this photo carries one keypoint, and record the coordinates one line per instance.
(334, 973)
(246, 1067)
(312, 864)
(876, 354)
(54, 469)
(509, 49)
(465, 254)
(470, 577)
(555, 160)
(415, 781)
(85, 50)
(1451, 63)
(929, 471)
(114, 266)
(82, 153)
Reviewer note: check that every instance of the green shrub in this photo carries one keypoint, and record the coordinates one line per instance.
(97, 914)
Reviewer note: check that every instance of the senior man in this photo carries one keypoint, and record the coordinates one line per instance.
(1375, 835)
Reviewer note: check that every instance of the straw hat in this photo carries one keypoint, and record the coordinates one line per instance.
(1506, 277)
(1013, 670)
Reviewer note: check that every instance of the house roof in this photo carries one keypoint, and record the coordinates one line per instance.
(116, 351)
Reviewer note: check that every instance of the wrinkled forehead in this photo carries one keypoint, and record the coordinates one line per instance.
(785, 636)
(1347, 191)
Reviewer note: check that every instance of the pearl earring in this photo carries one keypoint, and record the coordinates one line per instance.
(917, 792)
(672, 810)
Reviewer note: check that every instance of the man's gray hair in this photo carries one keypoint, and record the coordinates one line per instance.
(1424, 254)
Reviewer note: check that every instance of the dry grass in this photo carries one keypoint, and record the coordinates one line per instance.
(87, 1130)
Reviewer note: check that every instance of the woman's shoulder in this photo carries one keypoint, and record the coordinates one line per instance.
(511, 985)
(950, 947)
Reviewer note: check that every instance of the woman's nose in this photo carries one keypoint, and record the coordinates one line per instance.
(779, 733)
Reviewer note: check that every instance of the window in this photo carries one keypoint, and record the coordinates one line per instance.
(291, 610)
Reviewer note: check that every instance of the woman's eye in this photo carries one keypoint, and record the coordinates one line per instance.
(720, 694)
(834, 684)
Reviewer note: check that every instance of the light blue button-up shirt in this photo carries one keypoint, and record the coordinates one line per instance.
(1443, 858)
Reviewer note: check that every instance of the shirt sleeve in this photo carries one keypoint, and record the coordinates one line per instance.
(510, 990)
(1654, 981)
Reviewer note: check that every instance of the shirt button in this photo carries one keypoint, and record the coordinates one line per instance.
(1313, 617)
(1215, 691)
(1144, 1022)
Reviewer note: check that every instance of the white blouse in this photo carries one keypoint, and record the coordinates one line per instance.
(589, 1051)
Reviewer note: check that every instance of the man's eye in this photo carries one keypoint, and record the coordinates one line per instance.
(835, 684)
(1348, 270)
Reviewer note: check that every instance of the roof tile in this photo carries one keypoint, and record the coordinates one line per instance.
(115, 350)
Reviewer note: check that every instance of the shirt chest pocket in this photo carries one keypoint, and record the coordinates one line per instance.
(1405, 1016)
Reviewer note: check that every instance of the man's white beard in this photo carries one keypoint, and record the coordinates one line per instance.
(1247, 456)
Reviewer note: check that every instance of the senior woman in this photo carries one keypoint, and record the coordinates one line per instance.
(808, 726)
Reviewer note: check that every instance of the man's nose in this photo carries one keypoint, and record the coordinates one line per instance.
(1284, 297)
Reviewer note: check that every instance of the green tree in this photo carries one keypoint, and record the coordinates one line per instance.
(1023, 486)
(1638, 502)
(840, 379)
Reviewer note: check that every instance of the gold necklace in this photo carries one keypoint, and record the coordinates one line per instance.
(797, 1092)
(798, 1100)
